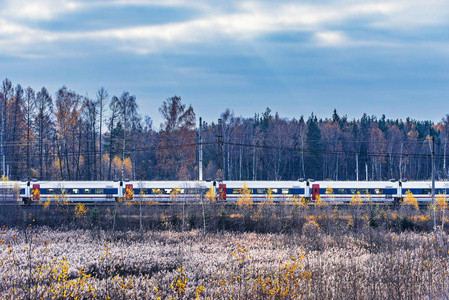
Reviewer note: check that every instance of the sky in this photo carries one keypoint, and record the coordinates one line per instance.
(295, 57)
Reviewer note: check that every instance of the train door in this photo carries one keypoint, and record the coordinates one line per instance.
(129, 193)
(36, 192)
(222, 191)
(315, 191)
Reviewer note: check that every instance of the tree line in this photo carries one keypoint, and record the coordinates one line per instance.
(67, 136)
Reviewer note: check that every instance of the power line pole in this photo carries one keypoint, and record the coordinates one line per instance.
(200, 154)
(433, 185)
(366, 171)
(220, 149)
(357, 166)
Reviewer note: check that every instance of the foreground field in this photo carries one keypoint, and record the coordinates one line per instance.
(43, 263)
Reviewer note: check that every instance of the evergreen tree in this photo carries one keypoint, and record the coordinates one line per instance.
(314, 145)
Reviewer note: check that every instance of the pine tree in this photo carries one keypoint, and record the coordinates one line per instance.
(314, 159)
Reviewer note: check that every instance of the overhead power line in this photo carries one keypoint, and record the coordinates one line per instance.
(332, 152)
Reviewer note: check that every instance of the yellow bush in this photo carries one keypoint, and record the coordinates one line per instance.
(441, 202)
(81, 210)
(410, 200)
(356, 199)
(210, 195)
(319, 202)
(244, 199)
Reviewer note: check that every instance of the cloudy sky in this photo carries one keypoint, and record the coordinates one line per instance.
(296, 57)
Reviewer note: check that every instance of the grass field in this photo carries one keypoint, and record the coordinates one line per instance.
(271, 251)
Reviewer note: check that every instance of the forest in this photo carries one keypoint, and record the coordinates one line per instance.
(67, 136)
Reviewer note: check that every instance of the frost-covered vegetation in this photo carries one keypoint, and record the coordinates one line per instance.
(246, 251)
(42, 263)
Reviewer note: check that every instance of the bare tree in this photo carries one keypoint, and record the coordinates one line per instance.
(90, 112)
(16, 130)
(43, 121)
(113, 126)
(68, 110)
(102, 98)
(129, 118)
(30, 112)
(7, 91)
(178, 129)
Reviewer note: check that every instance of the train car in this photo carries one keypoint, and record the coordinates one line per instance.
(73, 191)
(171, 191)
(422, 190)
(384, 191)
(166, 191)
(10, 190)
(260, 190)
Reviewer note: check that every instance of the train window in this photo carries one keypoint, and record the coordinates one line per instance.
(61, 191)
(87, 191)
(143, 191)
(50, 191)
(260, 191)
(427, 191)
(378, 191)
(99, 191)
(285, 191)
(353, 191)
(342, 191)
(167, 191)
(274, 191)
(365, 191)
(157, 191)
(193, 191)
(236, 191)
(74, 191)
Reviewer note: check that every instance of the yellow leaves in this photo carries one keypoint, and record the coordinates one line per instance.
(244, 199)
(174, 193)
(46, 204)
(283, 283)
(441, 202)
(129, 193)
(199, 291)
(81, 210)
(179, 283)
(210, 194)
(410, 200)
(319, 202)
(356, 199)
(128, 165)
(269, 198)
(36, 194)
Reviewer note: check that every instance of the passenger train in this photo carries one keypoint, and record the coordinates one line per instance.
(166, 191)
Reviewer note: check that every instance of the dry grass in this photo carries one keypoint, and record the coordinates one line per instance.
(40, 263)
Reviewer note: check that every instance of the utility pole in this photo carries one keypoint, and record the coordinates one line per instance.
(200, 152)
(357, 166)
(366, 171)
(433, 185)
(220, 149)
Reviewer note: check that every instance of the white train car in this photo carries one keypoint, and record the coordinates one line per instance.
(259, 190)
(422, 190)
(10, 190)
(380, 191)
(171, 191)
(165, 191)
(73, 191)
